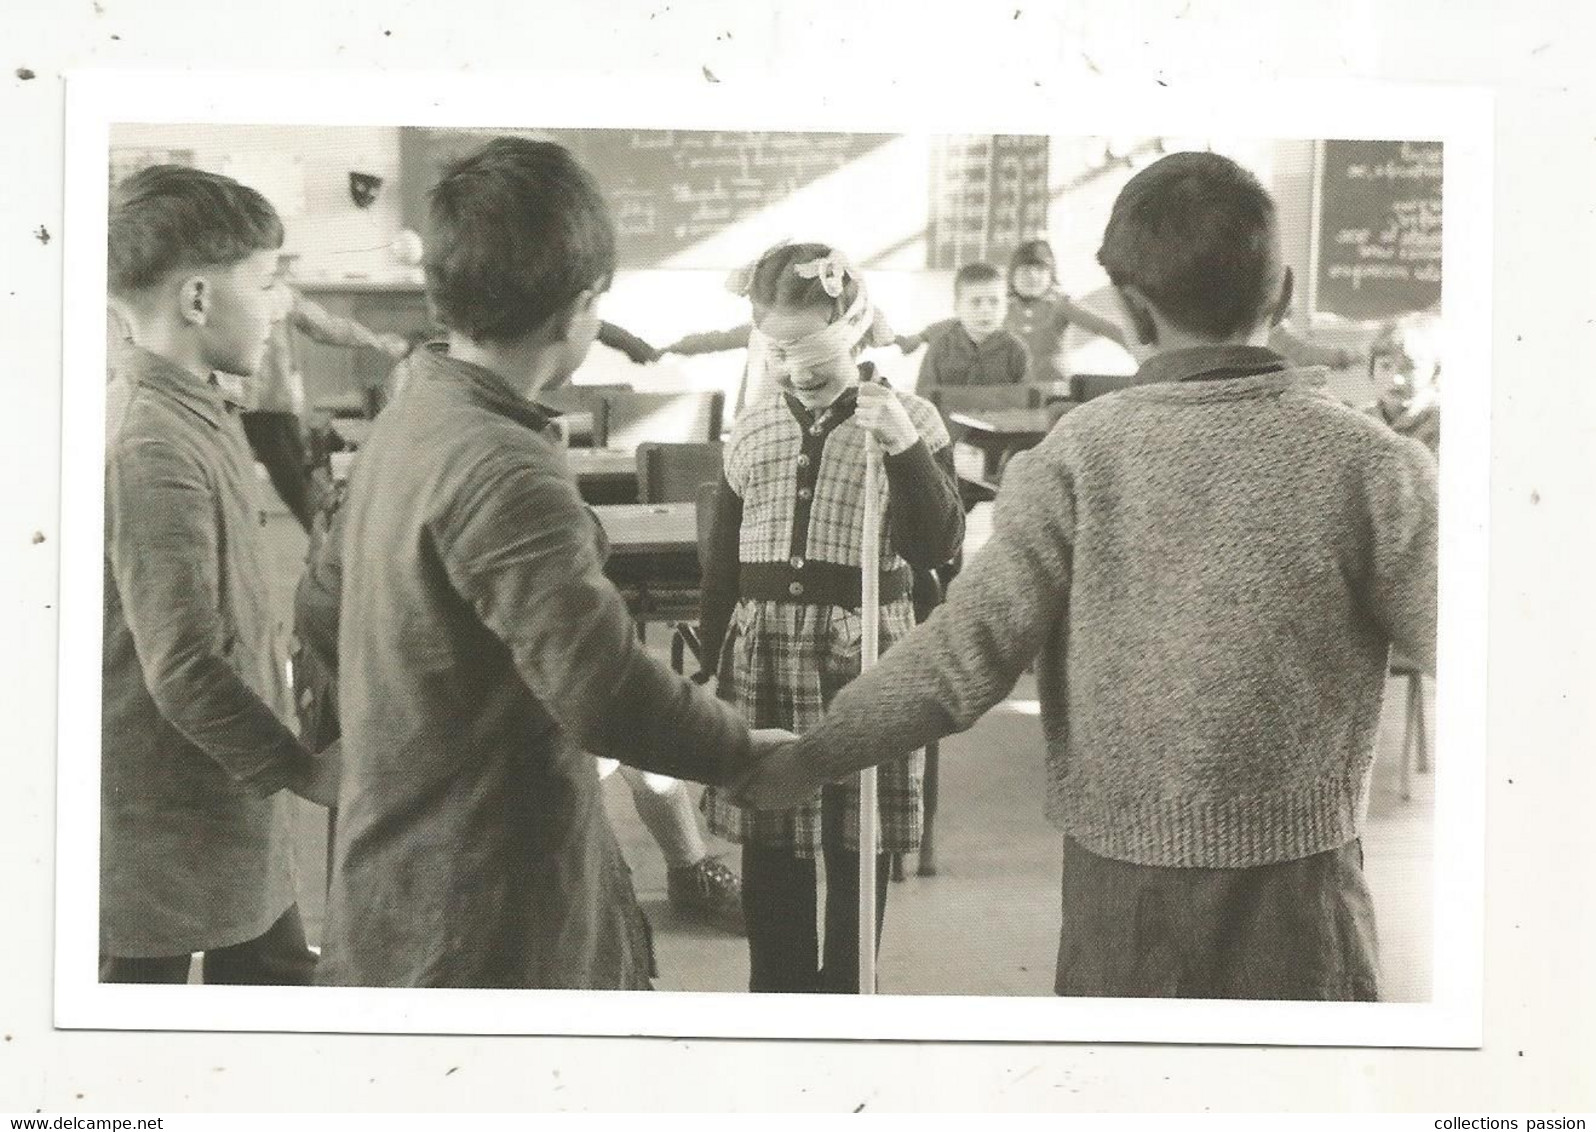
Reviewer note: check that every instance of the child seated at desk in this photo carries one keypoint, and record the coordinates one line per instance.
(1037, 313)
(973, 348)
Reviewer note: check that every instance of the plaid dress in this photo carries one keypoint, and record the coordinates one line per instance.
(782, 661)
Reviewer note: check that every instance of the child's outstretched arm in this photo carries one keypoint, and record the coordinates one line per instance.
(627, 343)
(712, 342)
(320, 325)
(909, 343)
(947, 673)
(1091, 320)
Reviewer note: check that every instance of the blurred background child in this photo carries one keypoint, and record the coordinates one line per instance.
(1405, 367)
(1037, 312)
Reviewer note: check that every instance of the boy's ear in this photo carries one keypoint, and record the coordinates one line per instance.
(1288, 283)
(194, 300)
(1138, 314)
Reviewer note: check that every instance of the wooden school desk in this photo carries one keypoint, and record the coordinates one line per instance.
(999, 433)
(653, 561)
(649, 528)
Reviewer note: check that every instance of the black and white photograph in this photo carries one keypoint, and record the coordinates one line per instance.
(538, 557)
(827, 558)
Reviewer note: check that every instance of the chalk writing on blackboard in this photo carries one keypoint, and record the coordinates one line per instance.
(1380, 229)
(671, 189)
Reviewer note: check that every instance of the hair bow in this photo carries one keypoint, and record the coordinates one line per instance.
(832, 269)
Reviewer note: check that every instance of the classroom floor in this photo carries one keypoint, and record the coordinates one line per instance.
(988, 923)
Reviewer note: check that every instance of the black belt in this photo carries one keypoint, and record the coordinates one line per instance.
(816, 583)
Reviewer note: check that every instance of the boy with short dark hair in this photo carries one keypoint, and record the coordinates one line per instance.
(196, 752)
(974, 348)
(482, 653)
(1212, 568)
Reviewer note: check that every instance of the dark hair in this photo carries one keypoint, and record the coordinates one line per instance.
(974, 273)
(1197, 234)
(1033, 253)
(168, 217)
(515, 231)
(776, 284)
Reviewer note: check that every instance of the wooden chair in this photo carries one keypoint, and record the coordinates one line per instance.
(1415, 732)
(592, 399)
(685, 638)
(636, 418)
(673, 473)
(669, 588)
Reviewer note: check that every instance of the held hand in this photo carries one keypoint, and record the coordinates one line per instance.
(320, 785)
(394, 345)
(767, 740)
(883, 416)
(779, 781)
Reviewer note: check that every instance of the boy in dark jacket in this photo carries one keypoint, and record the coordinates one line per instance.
(482, 652)
(197, 752)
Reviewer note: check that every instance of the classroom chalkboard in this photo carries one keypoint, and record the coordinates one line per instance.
(988, 193)
(1379, 230)
(670, 189)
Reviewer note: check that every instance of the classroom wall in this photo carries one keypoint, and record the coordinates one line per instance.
(876, 209)
(304, 171)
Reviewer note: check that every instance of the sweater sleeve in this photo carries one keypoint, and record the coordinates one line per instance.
(924, 514)
(720, 583)
(1402, 577)
(712, 342)
(539, 587)
(278, 442)
(965, 658)
(320, 325)
(617, 338)
(1090, 320)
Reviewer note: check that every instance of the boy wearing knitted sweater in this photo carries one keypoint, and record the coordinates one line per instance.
(1211, 569)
